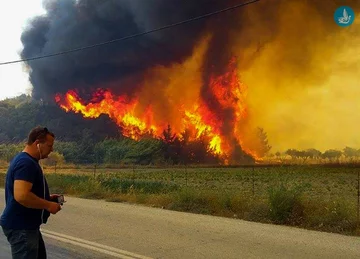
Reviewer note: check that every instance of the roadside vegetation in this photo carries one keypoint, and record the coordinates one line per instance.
(323, 198)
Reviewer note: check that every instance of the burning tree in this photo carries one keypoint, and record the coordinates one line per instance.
(210, 123)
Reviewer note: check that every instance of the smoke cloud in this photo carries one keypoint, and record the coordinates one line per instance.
(72, 24)
(287, 54)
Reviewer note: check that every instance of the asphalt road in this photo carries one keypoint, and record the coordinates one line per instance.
(98, 229)
(57, 250)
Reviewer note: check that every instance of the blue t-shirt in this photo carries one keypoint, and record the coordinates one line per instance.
(16, 216)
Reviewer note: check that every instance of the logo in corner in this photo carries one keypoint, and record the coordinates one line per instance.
(344, 16)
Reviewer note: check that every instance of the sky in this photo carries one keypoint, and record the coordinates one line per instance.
(13, 78)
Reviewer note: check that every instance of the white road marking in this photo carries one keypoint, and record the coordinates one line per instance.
(92, 245)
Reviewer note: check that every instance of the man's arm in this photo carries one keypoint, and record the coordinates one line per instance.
(24, 196)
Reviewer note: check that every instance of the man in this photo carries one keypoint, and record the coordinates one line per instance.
(28, 202)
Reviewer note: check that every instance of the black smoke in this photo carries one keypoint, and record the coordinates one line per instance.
(70, 24)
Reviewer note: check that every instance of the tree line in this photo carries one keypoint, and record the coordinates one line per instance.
(332, 155)
(84, 140)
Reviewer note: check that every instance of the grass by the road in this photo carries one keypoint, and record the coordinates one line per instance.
(312, 197)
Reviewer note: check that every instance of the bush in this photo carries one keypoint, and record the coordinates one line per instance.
(285, 204)
(191, 201)
(337, 215)
(54, 158)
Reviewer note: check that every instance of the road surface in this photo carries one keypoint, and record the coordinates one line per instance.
(57, 250)
(99, 229)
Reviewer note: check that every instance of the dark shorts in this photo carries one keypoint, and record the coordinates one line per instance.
(26, 244)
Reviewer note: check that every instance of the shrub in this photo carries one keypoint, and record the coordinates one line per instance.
(285, 204)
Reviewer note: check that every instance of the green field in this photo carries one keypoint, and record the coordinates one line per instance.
(318, 197)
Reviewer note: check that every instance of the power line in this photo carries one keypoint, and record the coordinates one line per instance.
(132, 36)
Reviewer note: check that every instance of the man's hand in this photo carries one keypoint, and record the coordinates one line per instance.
(53, 197)
(53, 207)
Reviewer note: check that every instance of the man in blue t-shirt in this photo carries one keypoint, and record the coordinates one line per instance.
(28, 202)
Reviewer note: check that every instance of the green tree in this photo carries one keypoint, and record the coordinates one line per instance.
(171, 146)
(332, 154)
(313, 153)
(264, 146)
(351, 153)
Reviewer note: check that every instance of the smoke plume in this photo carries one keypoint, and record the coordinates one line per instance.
(286, 53)
(72, 24)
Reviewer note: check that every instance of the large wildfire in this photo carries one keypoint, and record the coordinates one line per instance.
(273, 69)
(197, 118)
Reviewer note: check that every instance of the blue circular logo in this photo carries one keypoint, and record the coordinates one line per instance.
(344, 16)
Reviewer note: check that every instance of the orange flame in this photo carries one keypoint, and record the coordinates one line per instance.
(196, 120)
(200, 119)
